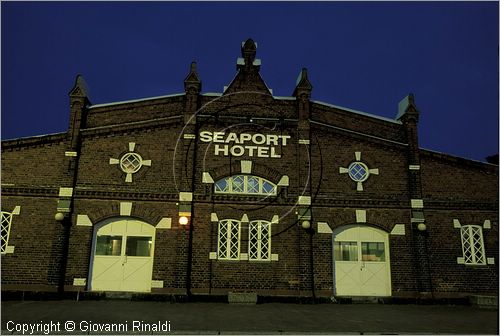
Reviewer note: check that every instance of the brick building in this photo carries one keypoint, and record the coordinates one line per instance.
(210, 193)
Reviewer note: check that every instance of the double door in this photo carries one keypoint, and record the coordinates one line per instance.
(361, 261)
(123, 256)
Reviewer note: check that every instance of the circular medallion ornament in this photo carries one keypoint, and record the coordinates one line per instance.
(130, 163)
(358, 171)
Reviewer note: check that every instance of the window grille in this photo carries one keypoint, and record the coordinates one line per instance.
(6, 223)
(259, 240)
(131, 163)
(473, 245)
(229, 240)
(358, 171)
(245, 184)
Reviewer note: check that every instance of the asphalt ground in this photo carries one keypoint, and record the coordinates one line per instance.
(146, 318)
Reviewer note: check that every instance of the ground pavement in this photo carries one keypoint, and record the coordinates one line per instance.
(146, 318)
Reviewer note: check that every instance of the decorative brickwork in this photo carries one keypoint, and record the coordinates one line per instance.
(55, 255)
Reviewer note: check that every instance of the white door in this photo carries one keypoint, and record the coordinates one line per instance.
(361, 261)
(123, 256)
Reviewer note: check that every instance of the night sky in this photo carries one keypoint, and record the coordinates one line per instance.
(363, 56)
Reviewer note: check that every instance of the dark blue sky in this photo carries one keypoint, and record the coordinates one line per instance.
(360, 55)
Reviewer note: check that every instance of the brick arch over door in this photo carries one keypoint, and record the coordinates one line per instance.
(149, 213)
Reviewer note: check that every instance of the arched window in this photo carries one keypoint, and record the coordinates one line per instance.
(245, 184)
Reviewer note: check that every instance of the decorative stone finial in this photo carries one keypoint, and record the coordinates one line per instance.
(248, 51)
(407, 105)
(80, 88)
(192, 80)
(303, 85)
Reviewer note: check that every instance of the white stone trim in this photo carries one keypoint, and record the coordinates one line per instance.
(304, 142)
(189, 136)
(243, 256)
(207, 178)
(360, 216)
(17, 210)
(323, 227)
(213, 217)
(274, 257)
(398, 230)
(359, 186)
(164, 223)
(275, 219)
(79, 281)
(414, 167)
(131, 146)
(9, 249)
(113, 161)
(70, 154)
(417, 204)
(244, 219)
(212, 256)
(156, 283)
(304, 200)
(461, 260)
(456, 224)
(246, 166)
(284, 181)
(373, 171)
(343, 170)
(487, 224)
(146, 163)
(65, 192)
(185, 196)
(125, 208)
(490, 261)
(83, 220)
(357, 155)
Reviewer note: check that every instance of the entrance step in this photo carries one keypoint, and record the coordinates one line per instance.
(242, 298)
(118, 295)
(484, 301)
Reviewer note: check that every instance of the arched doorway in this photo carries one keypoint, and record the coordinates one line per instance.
(122, 256)
(361, 261)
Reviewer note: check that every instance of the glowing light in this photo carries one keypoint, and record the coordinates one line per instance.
(183, 220)
(306, 224)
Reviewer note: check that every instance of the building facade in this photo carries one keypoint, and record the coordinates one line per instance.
(243, 191)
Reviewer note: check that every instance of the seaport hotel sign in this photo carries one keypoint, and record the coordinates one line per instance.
(259, 145)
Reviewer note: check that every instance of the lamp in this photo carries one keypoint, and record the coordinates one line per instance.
(183, 220)
(306, 225)
(59, 217)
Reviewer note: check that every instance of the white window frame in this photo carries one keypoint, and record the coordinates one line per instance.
(227, 239)
(6, 221)
(255, 228)
(472, 255)
(246, 188)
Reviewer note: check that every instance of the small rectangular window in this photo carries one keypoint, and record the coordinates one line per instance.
(345, 251)
(139, 246)
(108, 245)
(372, 251)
